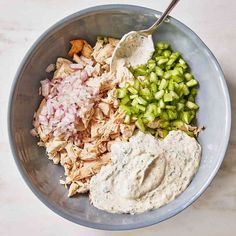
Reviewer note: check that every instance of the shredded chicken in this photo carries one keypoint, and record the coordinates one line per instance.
(78, 118)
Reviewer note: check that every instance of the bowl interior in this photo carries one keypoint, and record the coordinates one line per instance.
(115, 20)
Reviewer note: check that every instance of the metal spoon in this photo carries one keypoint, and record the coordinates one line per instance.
(136, 47)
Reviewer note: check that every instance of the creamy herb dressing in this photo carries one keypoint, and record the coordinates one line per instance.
(134, 50)
(145, 173)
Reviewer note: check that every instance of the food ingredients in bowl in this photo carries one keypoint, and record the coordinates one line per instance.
(145, 173)
(88, 116)
(78, 118)
(162, 96)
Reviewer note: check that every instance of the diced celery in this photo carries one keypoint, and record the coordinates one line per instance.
(164, 123)
(170, 107)
(164, 116)
(188, 76)
(161, 103)
(168, 97)
(141, 101)
(192, 83)
(145, 92)
(171, 85)
(154, 87)
(177, 123)
(141, 107)
(133, 96)
(174, 95)
(194, 91)
(136, 84)
(125, 100)
(172, 114)
(133, 90)
(153, 77)
(166, 53)
(149, 116)
(191, 105)
(162, 61)
(159, 94)
(177, 79)
(186, 117)
(159, 71)
(167, 75)
(163, 84)
(140, 125)
(125, 109)
(180, 106)
(120, 93)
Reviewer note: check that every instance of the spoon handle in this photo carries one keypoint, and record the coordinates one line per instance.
(161, 19)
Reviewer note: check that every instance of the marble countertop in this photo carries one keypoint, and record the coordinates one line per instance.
(21, 213)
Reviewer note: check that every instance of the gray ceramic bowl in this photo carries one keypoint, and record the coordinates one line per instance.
(115, 20)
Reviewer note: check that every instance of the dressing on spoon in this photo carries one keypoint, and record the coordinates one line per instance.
(137, 47)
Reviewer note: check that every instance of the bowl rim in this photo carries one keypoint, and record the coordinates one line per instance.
(39, 195)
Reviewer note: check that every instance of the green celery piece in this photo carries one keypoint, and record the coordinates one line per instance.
(125, 100)
(163, 84)
(162, 133)
(167, 75)
(191, 98)
(177, 123)
(161, 103)
(170, 107)
(162, 61)
(172, 114)
(188, 76)
(159, 71)
(192, 105)
(175, 55)
(133, 96)
(171, 62)
(158, 58)
(154, 87)
(153, 77)
(125, 109)
(136, 84)
(180, 106)
(168, 97)
(140, 71)
(192, 83)
(141, 107)
(134, 102)
(186, 117)
(164, 123)
(141, 101)
(175, 72)
(159, 94)
(164, 115)
(134, 110)
(177, 79)
(140, 125)
(171, 85)
(182, 61)
(166, 53)
(127, 84)
(145, 92)
(149, 116)
(194, 91)
(120, 93)
(162, 45)
(132, 90)
(185, 90)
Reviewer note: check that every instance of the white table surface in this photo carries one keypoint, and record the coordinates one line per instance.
(21, 213)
